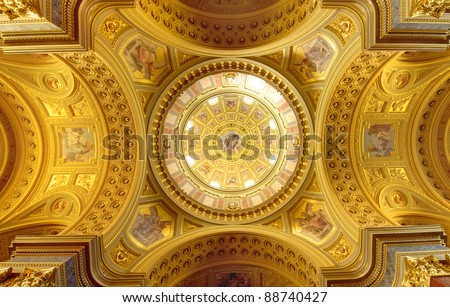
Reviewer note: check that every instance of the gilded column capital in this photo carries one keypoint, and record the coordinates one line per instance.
(419, 270)
(20, 8)
(433, 8)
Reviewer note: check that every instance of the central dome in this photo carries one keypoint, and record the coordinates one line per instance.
(232, 141)
(237, 142)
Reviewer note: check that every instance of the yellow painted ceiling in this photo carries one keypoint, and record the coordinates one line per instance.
(89, 137)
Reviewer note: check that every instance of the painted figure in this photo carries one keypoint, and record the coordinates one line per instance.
(77, 144)
(379, 140)
(231, 142)
(148, 228)
(142, 58)
(313, 223)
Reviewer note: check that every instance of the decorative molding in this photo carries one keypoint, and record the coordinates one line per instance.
(433, 8)
(341, 249)
(370, 267)
(20, 8)
(389, 24)
(419, 270)
(78, 253)
(122, 255)
(64, 25)
(112, 27)
(343, 27)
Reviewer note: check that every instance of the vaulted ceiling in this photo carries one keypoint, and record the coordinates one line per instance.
(326, 118)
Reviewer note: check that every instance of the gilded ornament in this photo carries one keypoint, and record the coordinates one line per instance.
(344, 27)
(20, 8)
(399, 105)
(111, 27)
(184, 57)
(59, 207)
(86, 181)
(419, 270)
(341, 250)
(432, 8)
(315, 95)
(277, 57)
(53, 83)
(58, 181)
(5, 273)
(374, 174)
(399, 174)
(122, 255)
(81, 108)
(32, 278)
(375, 105)
(398, 199)
(188, 226)
(278, 224)
(148, 188)
(233, 206)
(401, 79)
(54, 109)
(314, 185)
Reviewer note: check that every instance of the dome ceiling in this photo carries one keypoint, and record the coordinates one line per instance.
(269, 134)
(234, 141)
(231, 142)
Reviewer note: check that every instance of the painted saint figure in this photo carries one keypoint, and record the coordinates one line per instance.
(148, 228)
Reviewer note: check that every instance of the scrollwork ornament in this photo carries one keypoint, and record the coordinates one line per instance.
(20, 8)
(432, 8)
(420, 270)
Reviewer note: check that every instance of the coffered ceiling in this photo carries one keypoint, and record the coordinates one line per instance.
(219, 133)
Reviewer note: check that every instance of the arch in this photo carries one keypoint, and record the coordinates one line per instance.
(293, 258)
